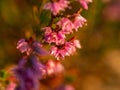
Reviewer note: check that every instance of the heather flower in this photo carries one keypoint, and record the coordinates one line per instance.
(33, 63)
(38, 48)
(59, 67)
(38, 68)
(30, 46)
(11, 86)
(54, 67)
(27, 80)
(79, 21)
(67, 49)
(52, 36)
(66, 25)
(84, 3)
(23, 46)
(56, 7)
(28, 72)
(50, 66)
(64, 4)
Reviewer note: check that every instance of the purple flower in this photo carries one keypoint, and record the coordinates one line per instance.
(27, 80)
(79, 21)
(38, 68)
(28, 72)
(38, 49)
(52, 36)
(56, 7)
(67, 49)
(84, 3)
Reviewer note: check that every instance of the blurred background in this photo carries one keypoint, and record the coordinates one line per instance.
(94, 67)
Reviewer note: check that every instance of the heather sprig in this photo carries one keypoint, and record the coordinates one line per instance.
(30, 69)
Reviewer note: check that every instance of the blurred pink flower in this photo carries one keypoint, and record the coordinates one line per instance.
(11, 86)
(50, 67)
(112, 11)
(56, 7)
(59, 67)
(84, 3)
(76, 43)
(54, 67)
(69, 87)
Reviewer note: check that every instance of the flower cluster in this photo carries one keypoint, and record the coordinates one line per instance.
(58, 36)
(56, 7)
(68, 26)
(30, 68)
(66, 49)
(60, 5)
(64, 26)
(54, 36)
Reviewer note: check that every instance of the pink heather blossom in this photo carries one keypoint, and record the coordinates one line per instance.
(66, 25)
(69, 48)
(56, 7)
(54, 67)
(11, 86)
(64, 4)
(84, 3)
(58, 53)
(79, 21)
(57, 37)
(23, 46)
(30, 46)
(50, 67)
(59, 67)
(69, 87)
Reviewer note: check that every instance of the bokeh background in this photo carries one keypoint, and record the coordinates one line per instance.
(94, 67)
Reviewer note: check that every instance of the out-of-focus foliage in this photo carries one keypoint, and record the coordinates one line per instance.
(95, 67)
